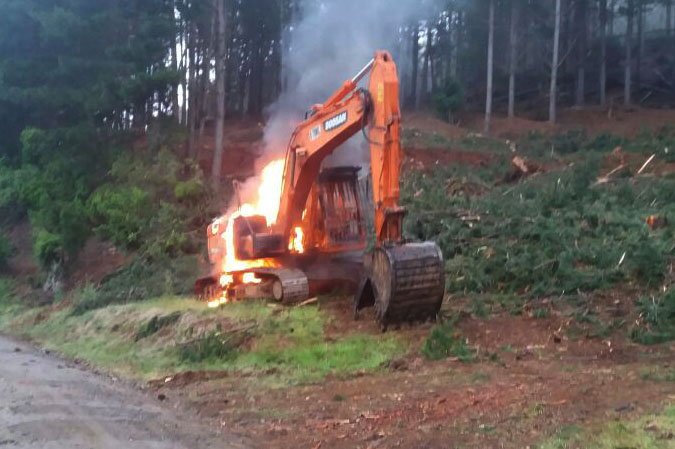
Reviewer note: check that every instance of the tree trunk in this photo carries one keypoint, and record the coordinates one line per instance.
(422, 97)
(185, 67)
(216, 169)
(415, 64)
(611, 14)
(582, 36)
(455, 38)
(490, 61)
(513, 56)
(629, 54)
(175, 109)
(554, 66)
(641, 45)
(603, 52)
(192, 92)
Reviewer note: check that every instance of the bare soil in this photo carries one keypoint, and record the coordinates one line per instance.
(618, 121)
(531, 379)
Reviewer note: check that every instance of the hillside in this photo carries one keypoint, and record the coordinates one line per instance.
(558, 315)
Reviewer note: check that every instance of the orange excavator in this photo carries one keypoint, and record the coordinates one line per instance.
(403, 280)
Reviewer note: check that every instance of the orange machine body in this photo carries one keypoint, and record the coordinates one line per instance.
(347, 112)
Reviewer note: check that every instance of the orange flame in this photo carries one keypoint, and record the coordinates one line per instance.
(266, 204)
(297, 243)
(249, 278)
(266, 201)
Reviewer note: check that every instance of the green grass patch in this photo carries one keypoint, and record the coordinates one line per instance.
(648, 432)
(659, 375)
(156, 323)
(657, 319)
(156, 338)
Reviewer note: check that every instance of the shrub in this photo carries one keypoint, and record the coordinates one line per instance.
(554, 234)
(657, 319)
(48, 248)
(10, 209)
(87, 298)
(604, 142)
(190, 190)
(212, 346)
(569, 142)
(5, 250)
(6, 290)
(120, 214)
(449, 99)
(443, 342)
(141, 280)
(156, 323)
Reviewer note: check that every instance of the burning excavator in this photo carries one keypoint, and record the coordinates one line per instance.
(273, 248)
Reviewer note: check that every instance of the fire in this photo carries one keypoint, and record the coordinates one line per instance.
(249, 278)
(297, 244)
(267, 205)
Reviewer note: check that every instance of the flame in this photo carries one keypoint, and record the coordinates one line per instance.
(266, 204)
(297, 244)
(266, 201)
(269, 191)
(249, 278)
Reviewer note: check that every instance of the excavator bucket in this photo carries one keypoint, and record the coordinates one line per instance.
(404, 282)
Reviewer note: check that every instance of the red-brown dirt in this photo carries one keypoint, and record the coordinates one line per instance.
(96, 260)
(532, 378)
(619, 121)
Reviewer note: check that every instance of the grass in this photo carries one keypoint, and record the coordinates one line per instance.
(155, 338)
(9, 306)
(648, 432)
(657, 319)
(659, 375)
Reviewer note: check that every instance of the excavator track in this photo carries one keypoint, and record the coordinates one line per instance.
(289, 285)
(408, 282)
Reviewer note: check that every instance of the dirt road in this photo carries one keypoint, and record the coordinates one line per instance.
(45, 403)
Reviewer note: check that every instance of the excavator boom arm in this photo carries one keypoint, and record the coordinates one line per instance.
(348, 111)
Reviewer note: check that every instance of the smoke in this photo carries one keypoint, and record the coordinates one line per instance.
(331, 43)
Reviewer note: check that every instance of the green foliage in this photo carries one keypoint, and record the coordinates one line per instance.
(141, 280)
(212, 346)
(119, 214)
(553, 234)
(68, 83)
(443, 342)
(449, 99)
(190, 190)
(48, 248)
(660, 374)
(569, 142)
(157, 322)
(86, 298)
(657, 319)
(604, 142)
(151, 204)
(6, 290)
(648, 432)
(5, 250)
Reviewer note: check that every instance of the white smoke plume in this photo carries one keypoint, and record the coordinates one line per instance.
(332, 41)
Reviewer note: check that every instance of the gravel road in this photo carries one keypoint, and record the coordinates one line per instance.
(47, 403)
